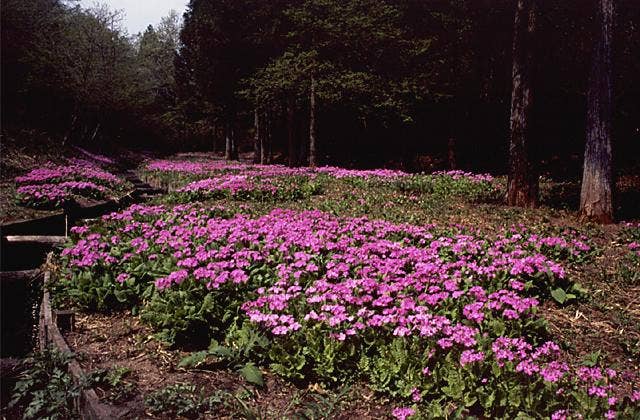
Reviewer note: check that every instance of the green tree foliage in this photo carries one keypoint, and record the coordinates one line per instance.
(393, 79)
(76, 73)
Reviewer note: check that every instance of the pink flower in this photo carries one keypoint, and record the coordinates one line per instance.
(415, 395)
(559, 415)
(122, 278)
(402, 413)
(471, 356)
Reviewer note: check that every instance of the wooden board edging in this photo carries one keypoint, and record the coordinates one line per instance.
(88, 404)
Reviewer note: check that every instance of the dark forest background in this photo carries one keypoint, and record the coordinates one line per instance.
(417, 84)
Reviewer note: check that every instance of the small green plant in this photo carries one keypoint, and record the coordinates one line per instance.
(320, 406)
(629, 266)
(45, 389)
(241, 348)
(113, 380)
(184, 400)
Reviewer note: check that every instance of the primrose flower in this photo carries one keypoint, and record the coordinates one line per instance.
(471, 356)
(559, 415)
(402, 413)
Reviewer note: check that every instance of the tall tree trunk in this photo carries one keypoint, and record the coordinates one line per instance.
(228, 141)
(231, 147)
(257, 136)
(313, 159)
(291, 132)
(264, 139)
(597, 179)
(72, 128)
(522, 189)
(269, 139)
(451, 153)
(95, 133)
(234, 141)
(214, 130)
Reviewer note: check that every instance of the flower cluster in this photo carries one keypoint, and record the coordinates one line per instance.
(76, 170)
(634, 247)
(213, 166)
(57, 194)
(631, 235)
(366, 173)
(463, 297)
(193, 167)
(234, 184)
(54, 185)
(250, 187)
(470, 176)
(175, 174)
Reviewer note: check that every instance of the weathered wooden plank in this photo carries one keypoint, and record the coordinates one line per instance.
(39, 239)
(48, 225)
(89, 405)
(22, 275)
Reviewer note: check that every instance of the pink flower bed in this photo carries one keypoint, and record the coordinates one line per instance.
(54, 185)
(206, 167)
(457, 174)
(233, 184)
(461, 298)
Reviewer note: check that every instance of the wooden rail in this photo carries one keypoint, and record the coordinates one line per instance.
(38, 239)
(88, 404)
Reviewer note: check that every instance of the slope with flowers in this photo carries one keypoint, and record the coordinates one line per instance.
(334, 287)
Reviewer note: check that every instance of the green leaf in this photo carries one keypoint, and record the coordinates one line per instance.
(591, 359)
(220, 351)
(193, 360)
(579, 290)
(252, 374)
(559, 295)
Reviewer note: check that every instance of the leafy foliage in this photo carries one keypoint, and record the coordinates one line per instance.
(113, 380)
(45, 389)
(475, 188)
(182, 400)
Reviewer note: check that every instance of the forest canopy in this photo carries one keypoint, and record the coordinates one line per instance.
(389, 80)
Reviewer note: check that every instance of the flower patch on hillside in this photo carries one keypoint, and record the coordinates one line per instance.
(441, 318)
(53, 186)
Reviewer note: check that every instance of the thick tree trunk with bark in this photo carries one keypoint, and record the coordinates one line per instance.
(596, 201)
(313, 159)
(291, 133)
(522, 189)
(257, 136)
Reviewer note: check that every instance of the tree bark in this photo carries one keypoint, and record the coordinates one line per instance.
(257, 136)
(269, 138)
(228, 141)
(231, 147)
(264, 139)
(234, 140)
(451, 153)
(291, 131)
(596, 201)
(522, 189)
(95, 133)
(313, 159)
